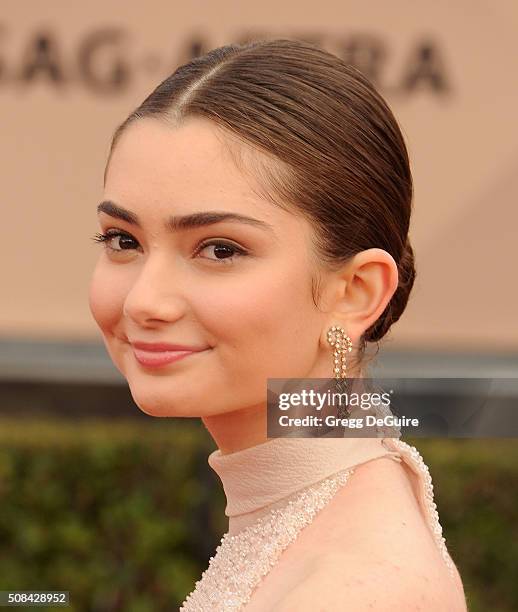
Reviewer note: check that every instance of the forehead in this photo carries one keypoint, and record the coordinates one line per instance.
(183, 166)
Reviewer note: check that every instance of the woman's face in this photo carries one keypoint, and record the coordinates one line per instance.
(239, 291)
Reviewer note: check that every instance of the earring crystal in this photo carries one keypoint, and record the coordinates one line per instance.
(342, 344)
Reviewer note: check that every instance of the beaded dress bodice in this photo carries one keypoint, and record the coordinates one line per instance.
(273, 491)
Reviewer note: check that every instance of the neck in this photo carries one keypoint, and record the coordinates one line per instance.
(239, 429)
(246, 427)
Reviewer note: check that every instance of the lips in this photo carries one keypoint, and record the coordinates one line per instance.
(156, 359)
(159, 354)
(160, 347)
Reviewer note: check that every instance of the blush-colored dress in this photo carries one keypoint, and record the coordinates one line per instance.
(273, 491)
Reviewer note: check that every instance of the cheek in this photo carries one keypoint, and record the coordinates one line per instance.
(106, 297)
(268, 318)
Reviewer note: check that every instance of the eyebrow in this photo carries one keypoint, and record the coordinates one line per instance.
(183, 222)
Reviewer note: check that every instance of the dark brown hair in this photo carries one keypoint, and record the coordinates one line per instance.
(321, 141)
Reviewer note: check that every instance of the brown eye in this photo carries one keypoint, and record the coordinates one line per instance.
(223, 251)
(126, 242)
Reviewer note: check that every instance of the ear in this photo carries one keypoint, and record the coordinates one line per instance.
(367, 283)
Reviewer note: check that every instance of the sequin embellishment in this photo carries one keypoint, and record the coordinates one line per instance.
(243, 559)
(415, 457)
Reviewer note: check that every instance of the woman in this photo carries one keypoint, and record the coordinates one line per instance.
(256, 209)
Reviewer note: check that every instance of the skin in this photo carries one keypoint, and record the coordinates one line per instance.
(368, 549)
(253, 313)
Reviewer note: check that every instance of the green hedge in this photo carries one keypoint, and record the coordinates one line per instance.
(476, 491)
(125, 515)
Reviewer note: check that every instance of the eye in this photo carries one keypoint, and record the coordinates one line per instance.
(224, 251)
(125, 242)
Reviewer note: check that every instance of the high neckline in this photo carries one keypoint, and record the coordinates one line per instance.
(263, 477)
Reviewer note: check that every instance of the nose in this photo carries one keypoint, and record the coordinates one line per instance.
(155, 295)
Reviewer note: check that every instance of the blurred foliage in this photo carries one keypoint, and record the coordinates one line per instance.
(125, 515)
(476, 491)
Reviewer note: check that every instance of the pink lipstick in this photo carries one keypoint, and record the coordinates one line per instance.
(159, 354)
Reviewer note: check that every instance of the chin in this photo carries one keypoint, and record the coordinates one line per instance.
(159, 400)
(156, 411)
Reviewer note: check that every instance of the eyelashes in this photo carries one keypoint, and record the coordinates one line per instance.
(106, 239)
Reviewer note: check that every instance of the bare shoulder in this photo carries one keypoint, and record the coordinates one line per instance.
(348, 583)
(375, 551)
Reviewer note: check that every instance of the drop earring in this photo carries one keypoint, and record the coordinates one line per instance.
(342, 344)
